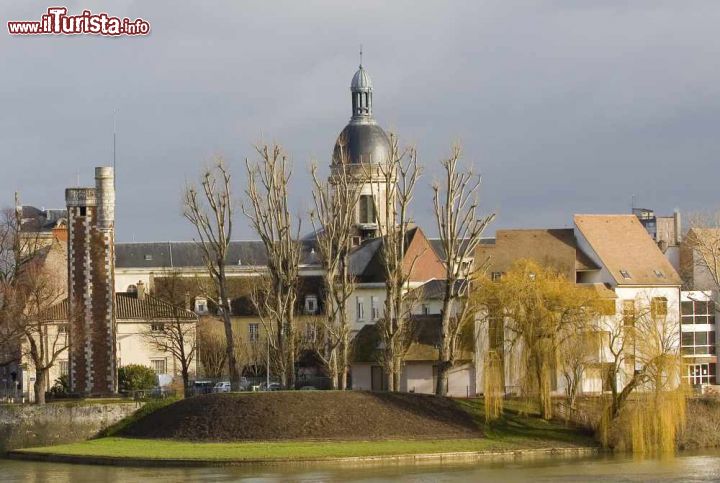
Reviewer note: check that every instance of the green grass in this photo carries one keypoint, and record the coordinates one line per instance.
(512, 432)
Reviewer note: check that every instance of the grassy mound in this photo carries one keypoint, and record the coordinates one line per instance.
(348, 415)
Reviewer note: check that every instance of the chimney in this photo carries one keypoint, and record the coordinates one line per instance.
(678, 227)
(105, 189)
(140, 290)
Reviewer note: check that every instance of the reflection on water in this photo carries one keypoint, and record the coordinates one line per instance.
(688, 467)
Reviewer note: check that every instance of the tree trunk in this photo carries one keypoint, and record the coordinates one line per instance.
(186, 379)
(444, 351)
(39, 386)
(291, 351)
(343, 363)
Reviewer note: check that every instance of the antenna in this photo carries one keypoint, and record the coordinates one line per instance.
(361, 56)
(114, 145)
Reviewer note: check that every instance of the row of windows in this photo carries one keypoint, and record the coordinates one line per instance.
(360, 308)
(698, 343)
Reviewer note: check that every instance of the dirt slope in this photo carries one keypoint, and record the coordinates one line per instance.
(306, 415)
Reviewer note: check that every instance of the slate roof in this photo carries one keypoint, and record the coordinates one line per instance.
(129, 307)
(425, 336)
(434, 289)
(623, 245)
(436, 243)
(40, 220)
(188, 254)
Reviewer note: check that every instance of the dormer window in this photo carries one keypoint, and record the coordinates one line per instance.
(201, 305)
(625, 274)
(311, 304)
(148, 257)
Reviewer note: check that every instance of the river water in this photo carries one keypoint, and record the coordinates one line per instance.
(688, 467)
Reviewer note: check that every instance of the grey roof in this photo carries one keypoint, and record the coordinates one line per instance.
(435, 289)
(189, 254)
(362, 143)
(361, 80)
(40, 220)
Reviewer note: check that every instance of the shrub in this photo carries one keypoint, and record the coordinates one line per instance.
(135, 377)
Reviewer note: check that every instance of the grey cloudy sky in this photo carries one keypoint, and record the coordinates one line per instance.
(564, 106)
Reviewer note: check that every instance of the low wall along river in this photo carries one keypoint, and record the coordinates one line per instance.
(23, 426)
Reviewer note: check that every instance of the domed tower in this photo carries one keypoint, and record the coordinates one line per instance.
(361, 148)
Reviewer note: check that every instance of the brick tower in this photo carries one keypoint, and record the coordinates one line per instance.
(91, 285)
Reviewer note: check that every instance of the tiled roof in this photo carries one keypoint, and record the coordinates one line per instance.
(128, 307)
(556, 248)
(626, 249)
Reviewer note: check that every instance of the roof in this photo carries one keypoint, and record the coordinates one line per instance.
(435, 289)
(437, 245)
(129, 307)
(624, 247)
(556, 248)
(40, 220)
(366, 261)
(424, 335)
(361, 143)
(189, 254)
(361, 80)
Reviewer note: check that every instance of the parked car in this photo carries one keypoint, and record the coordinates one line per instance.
(203, 387)
(223, 386)
(274, 386)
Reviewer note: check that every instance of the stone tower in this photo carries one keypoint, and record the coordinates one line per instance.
(91, 285)
(361, 148)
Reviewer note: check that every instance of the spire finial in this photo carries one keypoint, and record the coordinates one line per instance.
(361, 56)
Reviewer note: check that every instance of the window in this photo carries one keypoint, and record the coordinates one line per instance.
(254, 332)
(157, 327)
(374, 308)
(698, 312)
(496, 276)
(658, 307)
(607, 307)
(360, 308)
(367, 209)
(625, 274)
(148, 257)
(659, 274)
(62, 328)
(629, 313)
(311, 304)
(159, 366)
(201, 305)
(83, 211)
(64, 367)
(698, 343)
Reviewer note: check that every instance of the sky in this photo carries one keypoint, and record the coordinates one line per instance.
(563, 106)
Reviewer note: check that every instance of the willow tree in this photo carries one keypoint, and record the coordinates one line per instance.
(540, 310)
(333, 219)
(267, 208)
(209, 209)
(393, 183)
(643, 367)
(460, 228)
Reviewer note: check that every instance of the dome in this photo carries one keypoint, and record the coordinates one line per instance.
(361, 80)
(364, 143)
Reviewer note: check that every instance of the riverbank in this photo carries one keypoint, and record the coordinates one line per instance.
(143, 452)
(379, 435)
(23, 426)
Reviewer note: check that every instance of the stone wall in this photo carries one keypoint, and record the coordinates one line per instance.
(23, 426)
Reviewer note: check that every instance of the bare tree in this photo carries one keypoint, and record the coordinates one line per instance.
(268, 210)
(210, 210)
(29, 285)
(393, 185)
(700, 255)
(28, 322)
(212, 345)
(333, 219)
(173, 329)
(460, 228)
